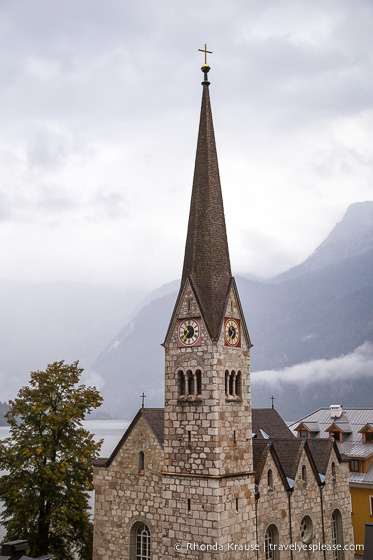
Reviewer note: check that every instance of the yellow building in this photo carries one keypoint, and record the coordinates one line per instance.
(352, 429)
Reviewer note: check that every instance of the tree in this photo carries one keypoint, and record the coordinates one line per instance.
(48, 462)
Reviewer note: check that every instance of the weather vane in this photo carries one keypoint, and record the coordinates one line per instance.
(205, 51)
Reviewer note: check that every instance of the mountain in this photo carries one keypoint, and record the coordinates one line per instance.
(321, 309)
(43, 323)
(351, 237)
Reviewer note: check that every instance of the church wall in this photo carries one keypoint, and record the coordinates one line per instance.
(214, 518)
(123, 496)
(272, 508)
(336, 495)
(305, 501)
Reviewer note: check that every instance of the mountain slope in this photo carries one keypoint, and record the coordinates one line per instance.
(320, 310)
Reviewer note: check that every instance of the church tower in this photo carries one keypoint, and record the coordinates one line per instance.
(208, 481)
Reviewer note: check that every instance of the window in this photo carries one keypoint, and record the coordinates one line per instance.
(304, 473)
(189, 383)
(368, 437)
(188, 504)
(337, 535)
(199, 382)
(337, 436)
(303, 434)
(354, 466)
(237, 505)
(233, 385)
(141, 462)
(306, 529)
(271, 541)
(333, 471)
(371, 505)
(270, 478)
(238, 384)
(140, 542)
(181, 383)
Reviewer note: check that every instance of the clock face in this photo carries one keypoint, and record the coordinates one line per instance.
(189, 332)
(232, 332)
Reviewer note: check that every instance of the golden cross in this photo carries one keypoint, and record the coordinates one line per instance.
(205, 51)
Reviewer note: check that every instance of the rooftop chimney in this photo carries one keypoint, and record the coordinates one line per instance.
(336, 410)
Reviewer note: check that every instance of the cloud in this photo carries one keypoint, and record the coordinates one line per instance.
(92, 379)
(358, 364)
(101, 119)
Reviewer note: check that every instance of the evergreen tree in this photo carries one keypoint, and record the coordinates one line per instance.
(48, 463)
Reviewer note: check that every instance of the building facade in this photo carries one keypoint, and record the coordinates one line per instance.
(192, 480)
(352, 430)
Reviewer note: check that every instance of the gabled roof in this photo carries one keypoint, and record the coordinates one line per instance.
(367, 428)
(321, 450)
(289, 452)
(342, 426)
(269, 420)
(261, 449)
(155, 419)
(311, 426)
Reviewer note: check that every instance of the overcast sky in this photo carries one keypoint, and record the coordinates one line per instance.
(100, 105)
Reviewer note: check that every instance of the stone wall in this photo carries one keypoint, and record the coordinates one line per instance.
(123, 496)
(305, 500)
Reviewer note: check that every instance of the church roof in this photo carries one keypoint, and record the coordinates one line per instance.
(155, 419)
(269, 421)
(206, 260)
(320, 451)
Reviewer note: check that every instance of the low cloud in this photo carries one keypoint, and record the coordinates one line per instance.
(92, 379)
(358, 364)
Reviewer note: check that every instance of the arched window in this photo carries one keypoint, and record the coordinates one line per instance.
(306, 529)
(199, 381)
(270, 478)
(181, 382)
(271, 538)
(231, 384)
(140, 542)
(141, 462)
(238, 384)
(304, 473)
(337, 535)
(190, 383)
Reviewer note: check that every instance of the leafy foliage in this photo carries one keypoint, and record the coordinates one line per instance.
(48, 461)
(4, 408)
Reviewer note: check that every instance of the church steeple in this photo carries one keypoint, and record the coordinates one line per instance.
(206, 261)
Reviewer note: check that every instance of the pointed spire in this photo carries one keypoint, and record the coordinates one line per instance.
(206, 261)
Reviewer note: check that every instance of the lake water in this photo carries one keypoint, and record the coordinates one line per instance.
(109, 430)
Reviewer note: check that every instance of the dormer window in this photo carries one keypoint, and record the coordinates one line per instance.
(367, 432)
(303, 431)
(335, 432)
